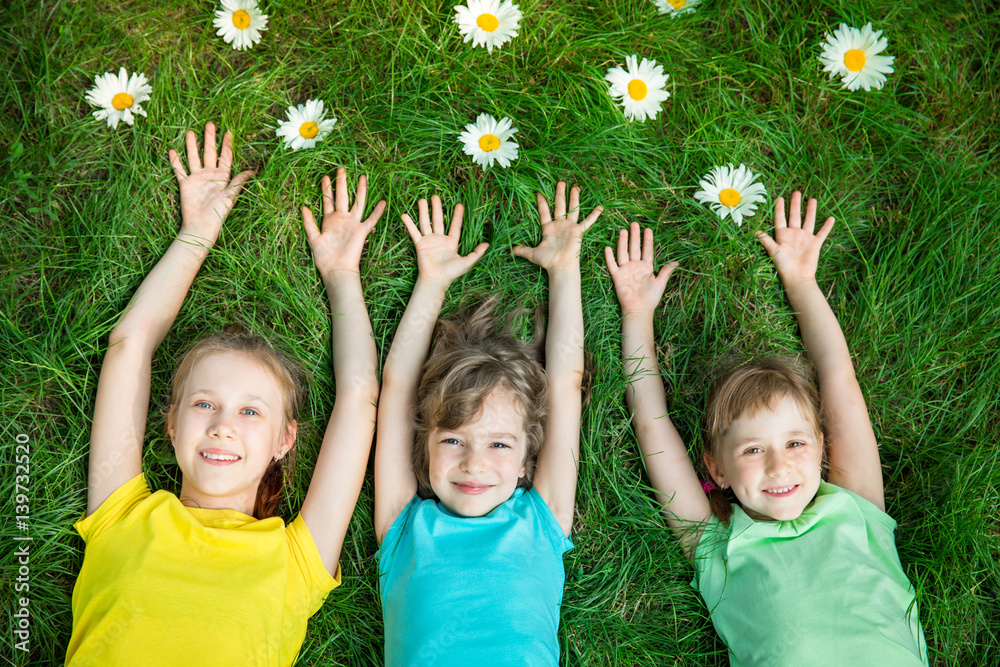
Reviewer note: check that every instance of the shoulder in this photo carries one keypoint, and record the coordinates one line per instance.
(836, 500)
(530, 504)
(122, 502)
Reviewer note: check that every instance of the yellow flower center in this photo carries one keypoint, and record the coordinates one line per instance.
(730, 198)
(309, 130)
(677, 4)
(241, 19)
(854, 60)
(637, 90)
(487, 22)
(489, 142)
(121, 101)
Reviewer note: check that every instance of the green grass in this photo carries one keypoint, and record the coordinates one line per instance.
(911, 173)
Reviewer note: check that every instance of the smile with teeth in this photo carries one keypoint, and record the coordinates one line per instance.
(219, 457)
(782, 491)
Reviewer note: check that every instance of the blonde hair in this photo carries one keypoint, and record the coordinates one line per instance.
(287, 373)
(747, 389)
(473, 354)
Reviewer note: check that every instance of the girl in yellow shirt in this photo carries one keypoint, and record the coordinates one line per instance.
(211, 577)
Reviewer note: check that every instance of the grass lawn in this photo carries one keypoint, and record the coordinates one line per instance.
(910, 172)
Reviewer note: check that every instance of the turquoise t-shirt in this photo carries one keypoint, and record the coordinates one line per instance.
(473, 590)
(826, 588)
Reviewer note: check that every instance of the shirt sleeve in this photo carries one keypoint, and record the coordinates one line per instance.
(550, 524)
(114, 509)
(315, 578)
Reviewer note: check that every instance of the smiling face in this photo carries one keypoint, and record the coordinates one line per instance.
(227, 425)
(771, 459)
(475, 467)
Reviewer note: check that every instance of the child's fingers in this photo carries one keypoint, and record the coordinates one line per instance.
(779, 213)
(622, 246)
(663, 276)
(326, 187)
(647, 245)
(310, 224)
(609, 258)
(795, 214)
(342, 204)
(592, 218)
(425, 220)
(411, 227)
(377, 212)
(825, 230)
(211, 159)
(810, 222)
(524, 252)
(194, 164)
(175, 162)
(226, 156)
(634, 242)
(360, 196)
(236, 185)
(455, 231)
(543, 209)
(476, 254)
(769, 245)
(437, 215)
(560, 202)
(574, 204)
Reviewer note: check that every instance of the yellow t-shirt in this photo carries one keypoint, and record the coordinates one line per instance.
(165, 584)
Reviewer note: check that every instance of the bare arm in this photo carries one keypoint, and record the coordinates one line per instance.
(559, 255)
(850, 440)
(340, 467)
(670, 470)
(207, 196)
(439, 264)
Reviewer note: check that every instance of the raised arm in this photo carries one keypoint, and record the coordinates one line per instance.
(639, 289)
(343, 457)
(207, 196)
(439, 264)
(850, 440)
(559, 255)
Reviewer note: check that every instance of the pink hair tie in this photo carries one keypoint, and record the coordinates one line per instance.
(707, 486)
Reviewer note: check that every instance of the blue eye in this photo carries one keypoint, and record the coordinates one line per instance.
(451, 441)
(203, 404)
(249, 411)
(500, 445)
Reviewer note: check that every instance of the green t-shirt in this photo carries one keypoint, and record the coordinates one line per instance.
(826, 588)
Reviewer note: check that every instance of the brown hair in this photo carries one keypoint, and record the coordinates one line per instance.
(747, 389)
(286, 372)
(473, 354)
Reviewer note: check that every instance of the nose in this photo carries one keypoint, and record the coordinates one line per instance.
(777, 463)
(474, 461)
(222, 427)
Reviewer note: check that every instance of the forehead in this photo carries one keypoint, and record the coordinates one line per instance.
(783, 416)
(232, 372)
(500, 412)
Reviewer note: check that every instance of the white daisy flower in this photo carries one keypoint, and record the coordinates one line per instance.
(119, 96)
(305, 125)
(676, 7)
(852, 54)
(640, 89)
(730, 191)
(488, 23)
(239, 23)
(488, 141)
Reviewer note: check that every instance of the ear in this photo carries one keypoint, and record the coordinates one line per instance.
(288, 439)
(172, 421)
(713, 469)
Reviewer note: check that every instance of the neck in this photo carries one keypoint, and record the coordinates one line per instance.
(241, 502)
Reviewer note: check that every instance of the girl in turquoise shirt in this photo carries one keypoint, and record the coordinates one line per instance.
(802, 571)
(472, 528)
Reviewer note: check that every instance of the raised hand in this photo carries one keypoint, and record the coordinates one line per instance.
(437, 252)
(795, 247)
(338, 246)
(639, 288)
(561, 236)
(207, 192)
